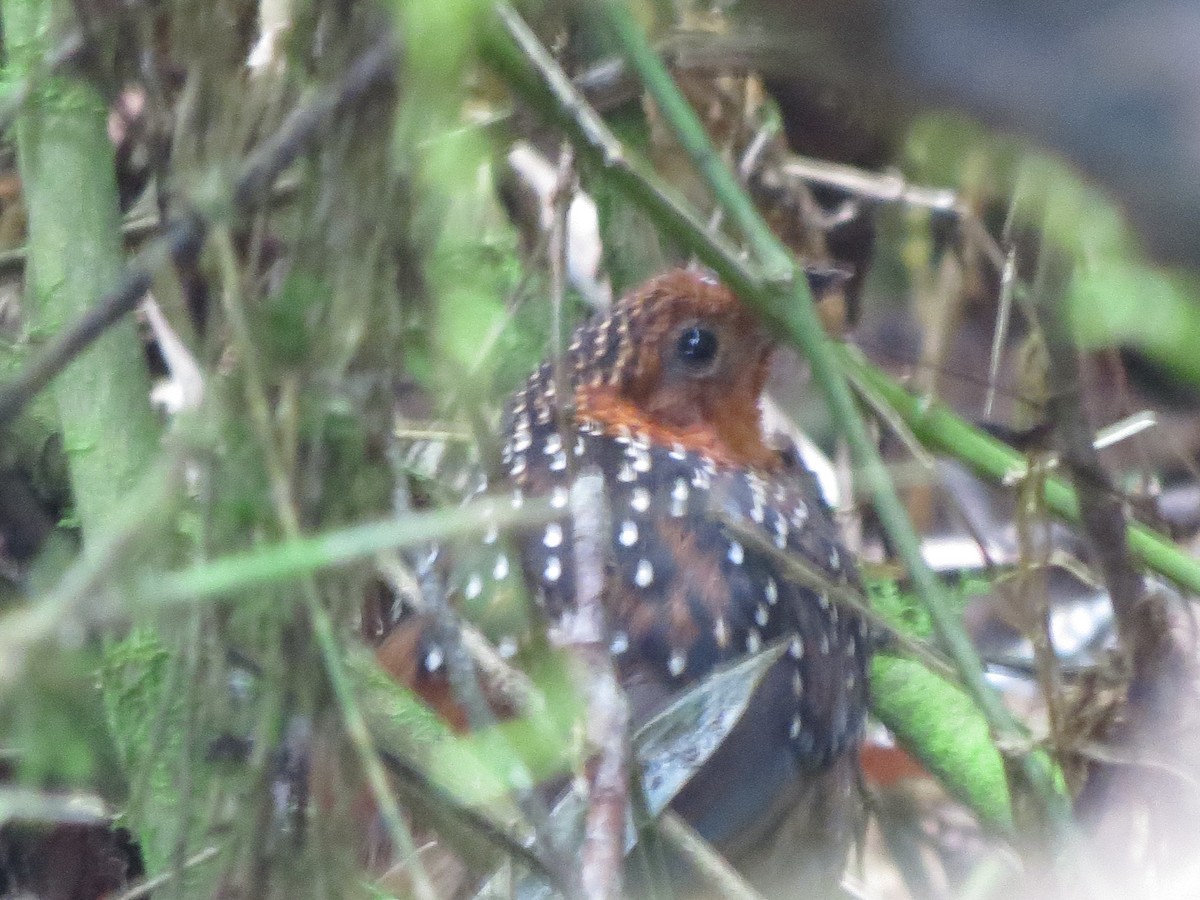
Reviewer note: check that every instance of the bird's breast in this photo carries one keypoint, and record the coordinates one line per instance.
(687, 591)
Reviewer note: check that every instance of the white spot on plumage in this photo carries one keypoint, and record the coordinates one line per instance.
(771, 591)
(797, 683)
(762, 615)
(758, 498)
(753, 641)
(434, 659)
(644, 576)
(736, 553)
(678, 453)
(490, 536)
(559, 462)
(553, 536)
(679, 496)
(619, 643)
(553, 570)
(796, 647)
(794, 730)
(474, 587)
(518, 499)
(677, 663)
(559, 497)
(721, 633)
(799, 514)
(628, 534)
(626, 473)
(521, 439)
(507, 647)
(553, 443)
(639, 500)
(500, 570)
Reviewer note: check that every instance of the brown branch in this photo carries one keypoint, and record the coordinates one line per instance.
(584, 631)
(1101, 509)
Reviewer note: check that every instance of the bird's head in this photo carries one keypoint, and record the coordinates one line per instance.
(681, 361)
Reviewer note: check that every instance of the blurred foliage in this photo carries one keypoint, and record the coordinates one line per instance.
(1117, 295)
(395, 270)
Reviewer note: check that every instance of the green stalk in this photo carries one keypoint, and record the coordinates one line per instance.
(935, 426)
(102, 397)
(75, 254)
(787, 304)
(303, 556)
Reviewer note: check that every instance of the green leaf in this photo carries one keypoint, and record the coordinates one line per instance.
(941, 727)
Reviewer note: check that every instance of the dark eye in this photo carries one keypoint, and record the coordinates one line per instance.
(697, 347)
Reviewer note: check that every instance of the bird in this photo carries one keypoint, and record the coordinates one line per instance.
(662, 395)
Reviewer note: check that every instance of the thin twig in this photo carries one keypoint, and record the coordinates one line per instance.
(144, 888)
(139, 228)
(849, 596)
(548, 86)
(892, 187)
(719, 874)
(184, 237)
(1102, 515)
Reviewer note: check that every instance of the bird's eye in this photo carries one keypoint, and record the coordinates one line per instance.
(697, 347)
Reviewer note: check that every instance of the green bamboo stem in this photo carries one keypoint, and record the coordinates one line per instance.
(935, 426)
(787, 304)
(102, 398)
(304, 556)
(75, 254)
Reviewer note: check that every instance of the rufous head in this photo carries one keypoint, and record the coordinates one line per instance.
(681, 361)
